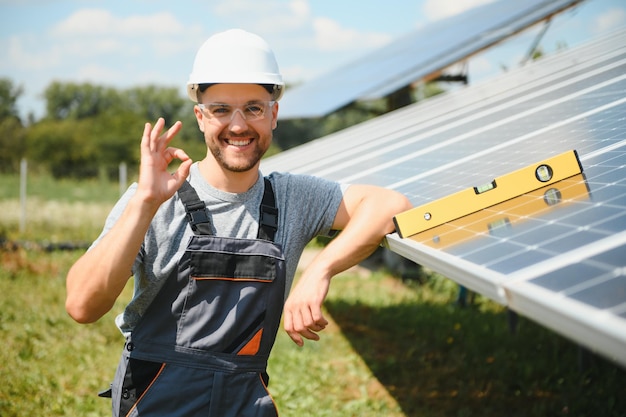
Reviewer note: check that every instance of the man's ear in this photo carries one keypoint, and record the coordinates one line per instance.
(199, 116)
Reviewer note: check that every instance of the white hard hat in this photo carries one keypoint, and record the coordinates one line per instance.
(235, 56)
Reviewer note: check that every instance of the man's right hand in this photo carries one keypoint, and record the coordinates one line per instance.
(156, 184)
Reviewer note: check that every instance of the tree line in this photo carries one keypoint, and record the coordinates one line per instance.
(87, 130)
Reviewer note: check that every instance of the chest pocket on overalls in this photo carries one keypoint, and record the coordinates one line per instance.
(235, 289)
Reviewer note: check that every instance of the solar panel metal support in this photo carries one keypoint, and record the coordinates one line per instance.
(535, 44)
(453, 78)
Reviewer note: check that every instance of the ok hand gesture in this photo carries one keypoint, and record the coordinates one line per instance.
(156, 184)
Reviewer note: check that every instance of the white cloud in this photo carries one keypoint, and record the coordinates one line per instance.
(161, 24)
(300, 8)
(86, 21)
(102, 22)
(23, 55)
(120, 77)
(481, 64)
(90, 41)
(235, 7)
(294, 22)
(295, 73)
(297, 15)
(98, 73)
(87, 48)
(440, 9)
(609, 20)
(331, 36)
(268, 16)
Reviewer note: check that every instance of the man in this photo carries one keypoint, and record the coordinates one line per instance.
(214, 246)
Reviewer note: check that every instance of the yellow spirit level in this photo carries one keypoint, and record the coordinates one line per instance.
(473, 199)
(506, 215)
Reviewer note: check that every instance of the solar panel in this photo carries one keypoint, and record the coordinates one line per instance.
(421, 54)
(557, 254)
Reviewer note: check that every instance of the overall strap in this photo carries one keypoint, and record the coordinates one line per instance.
(197, 213)
(268, 220)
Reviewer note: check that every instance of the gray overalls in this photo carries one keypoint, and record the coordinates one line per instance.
(202, 346)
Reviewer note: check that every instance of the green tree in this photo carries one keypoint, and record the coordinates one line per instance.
(9, 94)
(12, 144)
(12, 140)
(293, 132)
(63, 147)
(79, 101)
(152, 102)
(116, 138)
(108, 125)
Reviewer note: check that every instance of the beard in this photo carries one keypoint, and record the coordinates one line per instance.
(238, 163)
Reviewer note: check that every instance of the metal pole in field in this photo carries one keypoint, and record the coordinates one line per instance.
(23, 171)
(123, 174)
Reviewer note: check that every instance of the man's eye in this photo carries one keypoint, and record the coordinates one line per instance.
(254, 109)
(220, 110)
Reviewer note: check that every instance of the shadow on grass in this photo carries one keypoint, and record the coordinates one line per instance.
(442, 360)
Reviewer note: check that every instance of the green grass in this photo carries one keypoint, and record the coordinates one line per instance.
(51, 366)
(437, 359)
(56, 211)
(44, 187)
(393, 348)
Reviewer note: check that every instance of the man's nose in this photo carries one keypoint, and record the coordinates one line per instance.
(238, 121)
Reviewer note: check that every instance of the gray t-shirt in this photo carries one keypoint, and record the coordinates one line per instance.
(306, 205)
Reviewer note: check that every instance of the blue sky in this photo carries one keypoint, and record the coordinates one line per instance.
(139, 42)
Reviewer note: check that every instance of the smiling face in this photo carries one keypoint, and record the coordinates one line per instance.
(235, 138)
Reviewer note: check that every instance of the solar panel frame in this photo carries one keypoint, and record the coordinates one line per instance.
(599, 327)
